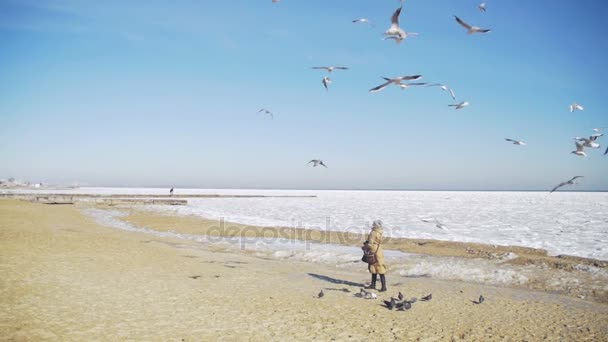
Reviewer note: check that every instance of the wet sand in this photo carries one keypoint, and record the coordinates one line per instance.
(64, 277)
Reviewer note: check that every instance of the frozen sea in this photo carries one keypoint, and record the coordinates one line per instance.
(573, 223)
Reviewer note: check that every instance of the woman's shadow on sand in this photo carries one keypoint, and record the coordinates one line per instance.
(334, 280)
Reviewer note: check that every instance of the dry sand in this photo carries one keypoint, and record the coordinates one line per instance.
(64, 277)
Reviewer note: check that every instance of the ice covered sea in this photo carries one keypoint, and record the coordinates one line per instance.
(573, 223)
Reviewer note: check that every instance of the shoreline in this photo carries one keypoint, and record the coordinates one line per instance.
(66, 277)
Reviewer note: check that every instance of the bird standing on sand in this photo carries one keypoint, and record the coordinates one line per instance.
(481, 299)
(326, 82)
(568, 182)
(575, 106)
(321, 294)
(406, 306)
(460, 105)
(397, 81)
(427, 298)
(400, 295)
(471, 29)
(331, 68)
(390, 304)
(516, 142)
(317, 162)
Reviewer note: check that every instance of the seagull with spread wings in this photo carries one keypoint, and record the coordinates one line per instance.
(326, 82)
(568, 182)
(460, 105)
(516, 142)
(397, 81)
(575, 106)
(590, 142)
(266, 112)
(330, 68)
(444, 88)
(471, 29)
(580, 150)
(363, 20)
(482, 6)
(317, 162)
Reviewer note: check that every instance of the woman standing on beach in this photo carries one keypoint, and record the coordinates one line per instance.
(374, 241)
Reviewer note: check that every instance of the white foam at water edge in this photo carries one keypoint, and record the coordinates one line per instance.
(562, 223)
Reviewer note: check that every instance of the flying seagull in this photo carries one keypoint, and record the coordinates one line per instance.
(471, 29)
(605, 153)
(580, 150)
(317, 162)
(396, 81)
(331, 68)
(482, 6)
(404, 86)
(444, 88)
(363, 20)
(459, 105)
(436, 222)
(394, 29)
(590, 142)
(326, 82)
(399, 39)
(569, 182)
(266, 112)
(516, 142)
(575, 106)
(598, 129)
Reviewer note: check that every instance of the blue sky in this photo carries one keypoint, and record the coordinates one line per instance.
(117, 93)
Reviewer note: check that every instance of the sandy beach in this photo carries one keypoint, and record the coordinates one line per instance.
(65, 277)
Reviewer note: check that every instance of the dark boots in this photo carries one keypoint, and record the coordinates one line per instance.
(372, 286)
(383, 280)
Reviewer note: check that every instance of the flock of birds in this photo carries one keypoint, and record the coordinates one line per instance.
(398, 34)
(399, 303)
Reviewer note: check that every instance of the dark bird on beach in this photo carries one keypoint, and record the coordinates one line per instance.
(406, 306)
(400, 296)
(194, 277)
(321, 294)
(427, 298)
(568, 182)
(481, 299)
(390, 304)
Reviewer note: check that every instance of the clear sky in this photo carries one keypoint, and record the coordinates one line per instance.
(117, 93)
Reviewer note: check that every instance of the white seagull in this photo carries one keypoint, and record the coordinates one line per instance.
(590, 142)
(471, 29)
(326, 82)
(516, 142)
(363, 20)
(459, 105)
(436, 222)
(331, 68)
(575, 106)
(317, 162)
(396, 81)
(580, 150)
(482, 6)
(394, 29)
(266, 112)
(404, 86)
(568, 182)
(444, 88)
(399, 39)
